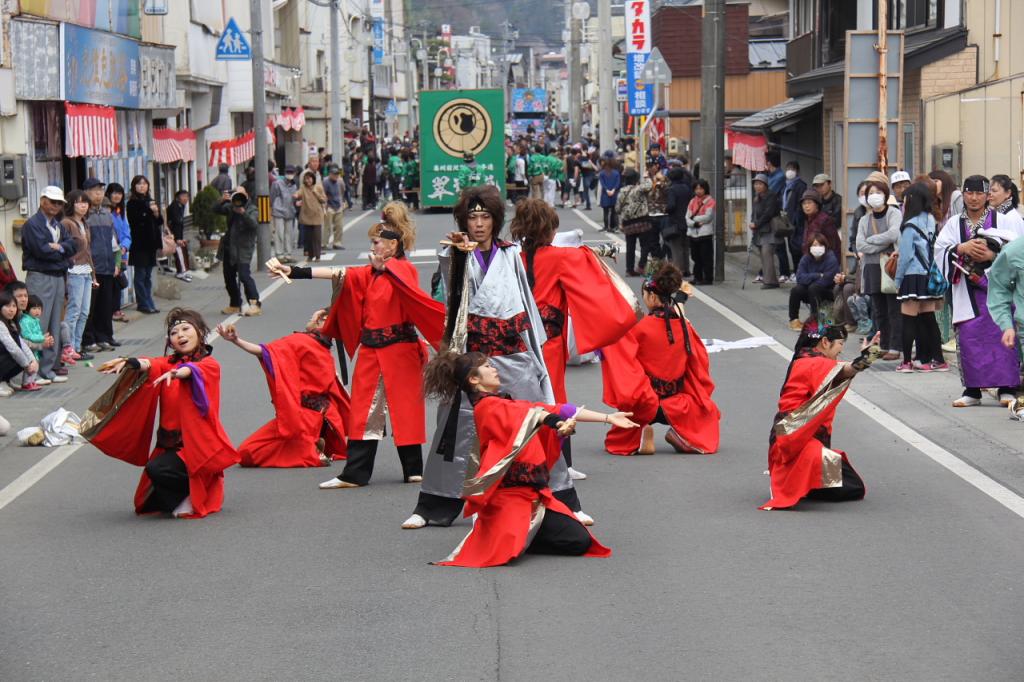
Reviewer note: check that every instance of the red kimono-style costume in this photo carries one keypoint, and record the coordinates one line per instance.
(309, 402)
(801, 459)
(572, 280)
(190, 406)
(510, 493)
(644, 372)
(378, 313)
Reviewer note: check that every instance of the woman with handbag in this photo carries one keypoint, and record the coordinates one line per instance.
(700, 231)
(312, 203)
(877, 236)
(145, 222)
(918, 300)
(635, 221)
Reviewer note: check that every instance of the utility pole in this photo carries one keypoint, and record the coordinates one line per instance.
(426, 57)
(605, 84)
(883, 88)
(369, 82)
(575, 82)
(713, 116)
(336, 132)
(259, 116)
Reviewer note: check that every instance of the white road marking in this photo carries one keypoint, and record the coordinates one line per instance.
(958, 467)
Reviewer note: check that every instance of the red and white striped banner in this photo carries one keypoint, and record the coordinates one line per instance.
(170, 145)
(91, 130)
(233, 152)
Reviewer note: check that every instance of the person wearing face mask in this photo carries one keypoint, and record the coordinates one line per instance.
(282, 209)
(814, 278)
(792, 197)
(846, 281)
(819, 223)
(877, 236)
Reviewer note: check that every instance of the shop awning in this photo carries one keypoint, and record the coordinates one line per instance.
(747, 150)
(777, 117)
(171, 146)
(234, 151)
(91, 130)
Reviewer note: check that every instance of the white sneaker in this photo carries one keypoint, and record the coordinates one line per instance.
(337, 483)
(183, 509)
(414, 521)
(577, 475)
(584, 518)
(43, 382)
(57, 379)
(5, 390)
(414, 479)
(1006, 398)
(966, 401)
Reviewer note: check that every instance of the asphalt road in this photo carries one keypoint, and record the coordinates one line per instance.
(919, 581)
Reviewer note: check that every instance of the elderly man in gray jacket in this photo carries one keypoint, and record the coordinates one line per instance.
(282, 209)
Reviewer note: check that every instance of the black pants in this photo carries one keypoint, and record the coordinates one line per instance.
(362, 453)
(922, 331)
(811, 295)
(650, 245)
(369, 196)
(105, 300)
(702, 250)
(438, 510)
(560, 534)
(170, 482)
(782, 252)
(611, 218)
(852, 488)
(885, 313)
(233, 273)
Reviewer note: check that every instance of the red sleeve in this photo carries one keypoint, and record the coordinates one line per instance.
(417, 307)
(301, 364)
(207, 447)
(345, 318)
(128, 435)
(600, 313)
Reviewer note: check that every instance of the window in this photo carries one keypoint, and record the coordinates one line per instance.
(910, 148)
(803, 17)
(840, 17)
(910, 15)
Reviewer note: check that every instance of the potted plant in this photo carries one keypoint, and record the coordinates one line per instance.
(210, 224)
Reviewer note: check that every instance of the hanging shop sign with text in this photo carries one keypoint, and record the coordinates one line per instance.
(640, 95)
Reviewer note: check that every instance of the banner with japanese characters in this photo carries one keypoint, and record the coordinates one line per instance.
(640, 95)
(462, 142)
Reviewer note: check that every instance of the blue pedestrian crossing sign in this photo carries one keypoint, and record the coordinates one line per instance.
(233, 44)
(392, 109)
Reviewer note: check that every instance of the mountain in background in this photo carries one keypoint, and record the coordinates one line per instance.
(537, 20)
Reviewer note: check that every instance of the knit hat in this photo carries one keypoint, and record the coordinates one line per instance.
(877, 176)
(761, 177)
(813, 195)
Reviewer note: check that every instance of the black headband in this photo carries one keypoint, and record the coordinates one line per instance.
(462, 375)
(175, 323)
(389, 234)
(477, 206)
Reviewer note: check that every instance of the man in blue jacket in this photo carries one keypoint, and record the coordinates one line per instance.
(46, 248)
(792, 195)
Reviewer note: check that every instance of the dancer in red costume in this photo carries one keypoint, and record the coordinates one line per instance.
(569, 281)
(184, 474)
(311, 405)
(378, 310)
(519, 444)
(801, 460)
(660, 372)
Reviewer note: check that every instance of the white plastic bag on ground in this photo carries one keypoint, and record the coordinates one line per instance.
(60, 427)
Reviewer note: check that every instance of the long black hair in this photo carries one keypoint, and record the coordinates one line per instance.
(918, 199)
(114, 188)
(1006, 183)
(6, 298)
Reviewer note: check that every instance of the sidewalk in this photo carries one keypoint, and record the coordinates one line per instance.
(984, 436)
(142, 335)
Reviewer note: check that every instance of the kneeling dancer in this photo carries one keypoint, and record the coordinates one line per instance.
(184, 473)
(520, 442)
(311, 405)
(801, 461)
(660, 372)
(491, 310)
